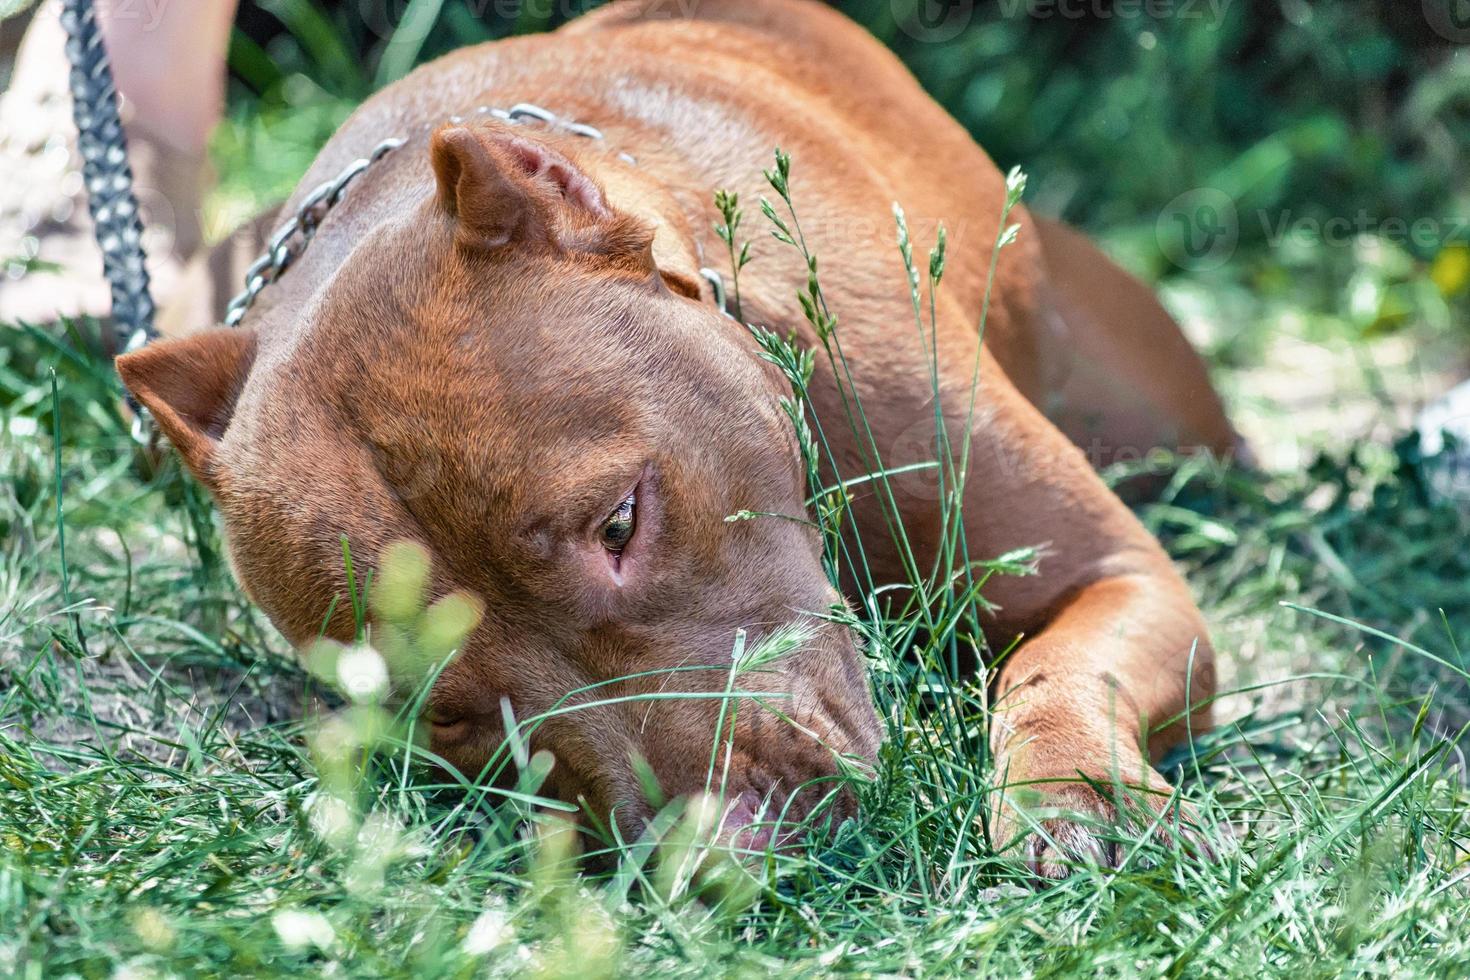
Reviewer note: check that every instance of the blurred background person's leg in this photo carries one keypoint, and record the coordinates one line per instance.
(169, 63)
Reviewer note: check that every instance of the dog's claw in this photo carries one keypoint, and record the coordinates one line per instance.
(1198, 843)
(1059, 846)
(1063, 847)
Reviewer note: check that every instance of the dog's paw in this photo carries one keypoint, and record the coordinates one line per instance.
(1059, 827)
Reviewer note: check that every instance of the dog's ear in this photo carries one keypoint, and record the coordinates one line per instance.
(503, 190)
(190, 386)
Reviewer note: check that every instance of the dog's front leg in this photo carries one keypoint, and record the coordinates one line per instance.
(1115, 666)
(1074, 708)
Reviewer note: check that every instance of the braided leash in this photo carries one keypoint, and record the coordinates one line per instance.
(109, 179)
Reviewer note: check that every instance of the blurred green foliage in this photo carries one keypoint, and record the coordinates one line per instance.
(1115, 108)
(1323, 141)
(1324, 108)
(163, 810)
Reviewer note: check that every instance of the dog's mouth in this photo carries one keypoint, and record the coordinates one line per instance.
(779, 784)
(755, 821)
(783, 769)
(750, 814)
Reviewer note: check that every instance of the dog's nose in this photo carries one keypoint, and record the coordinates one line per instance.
(748, 823)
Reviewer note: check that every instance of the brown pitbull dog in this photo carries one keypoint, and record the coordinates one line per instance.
(499, 345)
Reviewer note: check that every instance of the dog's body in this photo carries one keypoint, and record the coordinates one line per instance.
(483, 326)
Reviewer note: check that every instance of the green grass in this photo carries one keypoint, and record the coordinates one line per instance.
(179, 795)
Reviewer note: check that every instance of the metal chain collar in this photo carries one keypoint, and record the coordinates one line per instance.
(114, 207)
(291, 239)
(109, 179)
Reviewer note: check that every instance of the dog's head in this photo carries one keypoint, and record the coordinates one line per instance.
(503, 373)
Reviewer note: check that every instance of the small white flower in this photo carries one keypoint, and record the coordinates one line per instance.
(299, 929)
(488, 931)
(153, 929)
(380, 835)
(832, 956)
(362, 673)
(331, 818)
(134, 970)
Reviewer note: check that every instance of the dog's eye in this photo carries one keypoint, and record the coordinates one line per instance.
(441, 717)
(618, 529)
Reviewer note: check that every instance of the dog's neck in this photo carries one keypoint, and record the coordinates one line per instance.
(655, 186)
